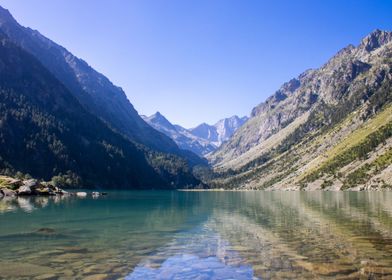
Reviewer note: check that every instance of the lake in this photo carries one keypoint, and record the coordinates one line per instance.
(198, 235)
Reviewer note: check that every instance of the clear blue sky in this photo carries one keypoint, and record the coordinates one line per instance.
(198, 61)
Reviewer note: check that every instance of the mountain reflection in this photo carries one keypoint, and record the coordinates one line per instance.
(253, 234)
(310, 234)
(28, 203)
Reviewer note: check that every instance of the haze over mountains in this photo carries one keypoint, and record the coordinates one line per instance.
(202, 139)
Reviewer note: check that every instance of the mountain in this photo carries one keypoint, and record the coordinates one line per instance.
(219, 132)
(92, 89)
(329, 128)
(201, 140)
(46, 132)
(184, 139)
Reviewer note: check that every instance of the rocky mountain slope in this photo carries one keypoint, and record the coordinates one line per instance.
(92, 89)
(46, 132)
(201, 140)
(219, 132)
(184, 139)
(329, 128)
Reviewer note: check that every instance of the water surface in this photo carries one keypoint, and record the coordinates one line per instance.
(198, 235)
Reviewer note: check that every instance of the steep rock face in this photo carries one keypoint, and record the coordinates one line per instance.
(225, 128)
(329, 84)
(206, 131)
(219, 132)
(270, 116)
(375, 40)
(201, 140)
(352, 88)
(92, 89)
(184, 139)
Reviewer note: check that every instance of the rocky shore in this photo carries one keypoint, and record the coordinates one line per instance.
(11, 187)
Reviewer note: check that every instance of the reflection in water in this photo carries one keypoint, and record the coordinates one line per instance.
(196, 254)
(28, 203)
(192, 267)
(316, 234)
(269, 235)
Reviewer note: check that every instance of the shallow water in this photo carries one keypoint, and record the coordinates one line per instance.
(198, 235)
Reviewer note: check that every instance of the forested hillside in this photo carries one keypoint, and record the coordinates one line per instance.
(45, 131)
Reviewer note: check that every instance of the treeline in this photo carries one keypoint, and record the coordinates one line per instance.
(358, 152)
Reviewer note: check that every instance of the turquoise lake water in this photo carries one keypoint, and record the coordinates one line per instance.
(198, 235)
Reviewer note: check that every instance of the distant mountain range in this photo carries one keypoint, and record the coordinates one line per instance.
(60, 116)
(219, 132)
(202, 139)
(330, 128)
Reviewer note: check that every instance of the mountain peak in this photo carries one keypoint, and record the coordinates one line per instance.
(376, 39)
(158, 114)
(159, 119)
(5, 16)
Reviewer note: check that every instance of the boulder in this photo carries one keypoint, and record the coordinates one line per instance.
(8, 192)
(31, 183)
(49, 186)
(24, 190)
(81, 194)
(95, 194)
(44, 191)
(57, 190)
(15, 182)
(63, 192)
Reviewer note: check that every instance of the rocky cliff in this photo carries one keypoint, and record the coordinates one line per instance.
(327, 128)
(202, 139)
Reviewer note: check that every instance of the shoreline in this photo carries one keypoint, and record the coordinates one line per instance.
(12, 187)
(286, 190)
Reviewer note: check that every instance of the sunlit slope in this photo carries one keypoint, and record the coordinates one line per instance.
(330, 130)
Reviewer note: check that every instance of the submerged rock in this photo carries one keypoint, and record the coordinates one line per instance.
(47, 276)
(46, 230)
(13, 270)
(73, 249)
(97, 277)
